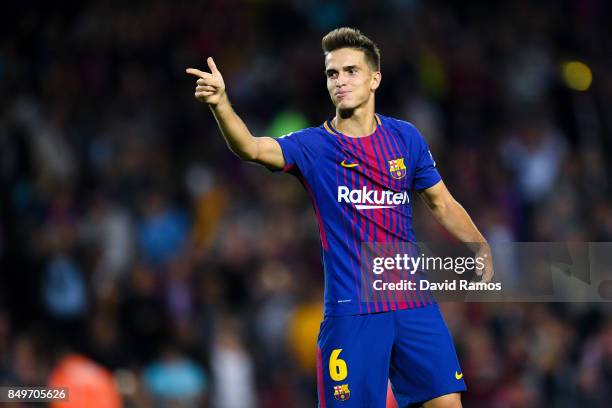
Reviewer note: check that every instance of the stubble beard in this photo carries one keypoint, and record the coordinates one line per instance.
(346, 113)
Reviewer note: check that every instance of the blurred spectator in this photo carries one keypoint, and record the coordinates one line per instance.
(232, 369)
(535, 153)
(88, 383)
(303, 330)
(108, 229)
(595, 375)
(174, 380)
(29, 364)
(162, 231)
(64, 289)
(142, 315)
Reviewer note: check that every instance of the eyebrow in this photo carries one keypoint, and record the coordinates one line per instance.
(345, 68)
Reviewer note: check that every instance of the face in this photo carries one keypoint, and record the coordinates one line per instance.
(350, 80)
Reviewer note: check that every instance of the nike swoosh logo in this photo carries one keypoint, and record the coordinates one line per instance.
(348, 165)
(458, 376)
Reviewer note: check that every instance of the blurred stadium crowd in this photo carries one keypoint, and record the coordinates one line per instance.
(130, 235)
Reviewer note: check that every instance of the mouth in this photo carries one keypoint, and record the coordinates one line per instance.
(341, 94)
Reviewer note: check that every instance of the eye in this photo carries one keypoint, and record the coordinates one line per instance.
(332, 74)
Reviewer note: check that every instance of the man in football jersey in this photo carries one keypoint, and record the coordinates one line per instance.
(359, 169)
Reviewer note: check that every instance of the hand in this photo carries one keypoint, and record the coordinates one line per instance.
(484, 257)
(210, 87)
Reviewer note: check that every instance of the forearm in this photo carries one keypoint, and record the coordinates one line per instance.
(210, 89)
(236, 134)
(456, 220)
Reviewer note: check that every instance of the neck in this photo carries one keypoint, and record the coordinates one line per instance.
(357, 122)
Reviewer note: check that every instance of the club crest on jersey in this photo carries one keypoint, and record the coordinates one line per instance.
(342, 392)
(397, 168)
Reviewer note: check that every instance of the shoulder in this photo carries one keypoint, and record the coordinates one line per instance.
(312, 139)
(303, 134)
(304, 142)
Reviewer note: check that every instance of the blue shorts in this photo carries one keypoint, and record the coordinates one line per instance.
(412, 348)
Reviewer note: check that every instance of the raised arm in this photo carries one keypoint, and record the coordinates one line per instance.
(456, 220)
(210, 89)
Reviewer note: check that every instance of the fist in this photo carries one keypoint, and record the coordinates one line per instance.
(210, 87)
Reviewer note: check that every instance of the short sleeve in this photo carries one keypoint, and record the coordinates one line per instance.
(426, 174)
(297, 150)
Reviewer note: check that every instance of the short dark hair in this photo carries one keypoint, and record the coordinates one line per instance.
(347, 37)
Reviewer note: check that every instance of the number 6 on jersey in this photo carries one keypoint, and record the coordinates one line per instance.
(338, 370)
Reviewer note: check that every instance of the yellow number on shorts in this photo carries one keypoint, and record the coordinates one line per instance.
(337, 367)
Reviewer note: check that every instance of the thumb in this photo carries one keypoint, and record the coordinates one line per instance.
(212, 66)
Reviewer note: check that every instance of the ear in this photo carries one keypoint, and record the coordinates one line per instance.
(376, 78)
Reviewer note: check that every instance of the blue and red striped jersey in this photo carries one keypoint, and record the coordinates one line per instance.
(361, 188)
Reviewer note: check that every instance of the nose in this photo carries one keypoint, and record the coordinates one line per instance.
(340, 81)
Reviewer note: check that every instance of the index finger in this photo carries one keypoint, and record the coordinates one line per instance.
(198, 73)
(212, 65)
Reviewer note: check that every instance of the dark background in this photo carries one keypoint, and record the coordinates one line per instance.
(130, 234)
